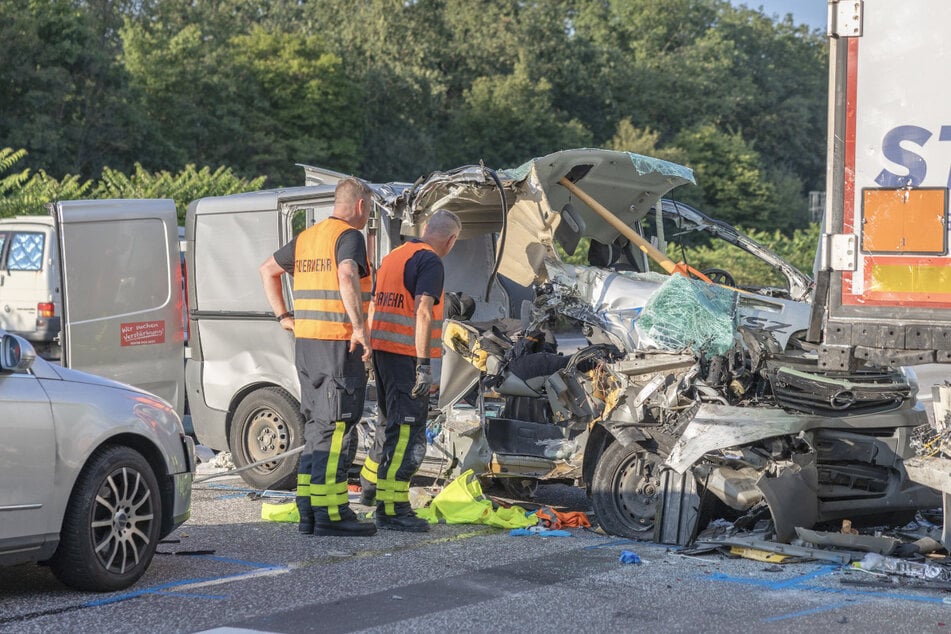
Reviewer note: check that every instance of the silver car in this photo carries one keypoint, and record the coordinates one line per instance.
(93, 472)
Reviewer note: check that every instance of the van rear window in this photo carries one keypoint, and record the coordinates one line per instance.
(26, 251)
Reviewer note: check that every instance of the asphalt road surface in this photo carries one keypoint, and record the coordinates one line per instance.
(226, 570)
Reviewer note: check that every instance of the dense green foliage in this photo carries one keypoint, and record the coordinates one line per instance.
(392, 89)
(23, 193)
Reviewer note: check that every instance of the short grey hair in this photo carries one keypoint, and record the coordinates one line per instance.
(442, 224)
(350, 190)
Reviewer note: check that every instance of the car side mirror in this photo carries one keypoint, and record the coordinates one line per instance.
(16, 354)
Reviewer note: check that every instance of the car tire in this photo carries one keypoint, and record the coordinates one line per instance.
(624, 490)
(112, 523)
(266, 424)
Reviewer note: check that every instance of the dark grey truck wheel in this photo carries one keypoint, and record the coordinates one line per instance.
(112, 523)
(266, 424)
(624, 490)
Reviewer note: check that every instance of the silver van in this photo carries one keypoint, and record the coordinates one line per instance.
(30, 298)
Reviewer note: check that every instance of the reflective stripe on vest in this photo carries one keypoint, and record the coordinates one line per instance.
(319, 312)
(394, 308)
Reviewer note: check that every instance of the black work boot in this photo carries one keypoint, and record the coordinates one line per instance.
(306, 525)
(347, 526)
(404, 519)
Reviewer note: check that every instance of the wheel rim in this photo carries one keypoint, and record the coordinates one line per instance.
(122, 520)
(267, 436)
(636, 492)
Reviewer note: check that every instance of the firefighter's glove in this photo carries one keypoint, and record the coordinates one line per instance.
(424, 379)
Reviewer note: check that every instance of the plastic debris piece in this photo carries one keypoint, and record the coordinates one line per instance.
(874, 562)
(851, 541)
(539, 531)
(629, 557)
(760, 555)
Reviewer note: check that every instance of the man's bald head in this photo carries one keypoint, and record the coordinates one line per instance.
(442, 230)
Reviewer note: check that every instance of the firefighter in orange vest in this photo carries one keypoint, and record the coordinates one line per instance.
(405, 333)
(332, 285)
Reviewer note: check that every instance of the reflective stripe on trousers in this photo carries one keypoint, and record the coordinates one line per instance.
(331, 494)
(389, 490)
(369, 470)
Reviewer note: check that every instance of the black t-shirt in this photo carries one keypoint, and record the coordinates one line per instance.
(424, 274)
(350, 246)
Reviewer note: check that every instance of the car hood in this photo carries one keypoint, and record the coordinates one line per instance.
(44, 369)
(530, 209)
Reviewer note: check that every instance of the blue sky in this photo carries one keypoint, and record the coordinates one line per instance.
(810, 12)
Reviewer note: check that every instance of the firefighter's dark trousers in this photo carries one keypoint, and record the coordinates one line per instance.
(333, 388)
(404, 431)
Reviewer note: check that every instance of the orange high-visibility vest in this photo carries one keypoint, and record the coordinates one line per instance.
(394, 308)
(319, 312)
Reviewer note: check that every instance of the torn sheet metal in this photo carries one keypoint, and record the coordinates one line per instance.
(839, 557)
(867, 543)
(800, 285)
(792, 499)
(724, 426)
(678, 509)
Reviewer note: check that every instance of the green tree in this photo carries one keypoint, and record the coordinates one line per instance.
(25, 193)
(505, 120)
(62, 96)
(733, 183)
(255, 100)
(183, 187)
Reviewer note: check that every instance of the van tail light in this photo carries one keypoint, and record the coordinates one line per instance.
(45, 309)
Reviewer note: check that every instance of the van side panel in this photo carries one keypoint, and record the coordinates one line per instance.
(235, 342)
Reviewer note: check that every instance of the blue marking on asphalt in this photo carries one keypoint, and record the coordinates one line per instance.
(187, 595)
(819, 610)
(160, 589)
(775, 585)
(617, 542)
(798, 583)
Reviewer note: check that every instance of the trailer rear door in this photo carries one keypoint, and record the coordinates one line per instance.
(122, 293)
(885, 267)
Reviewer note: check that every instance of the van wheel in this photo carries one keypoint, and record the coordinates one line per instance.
(266, 424)
(112, 523)
(624, 490)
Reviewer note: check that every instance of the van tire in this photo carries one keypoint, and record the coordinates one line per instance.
(624, 490)
(267, 423)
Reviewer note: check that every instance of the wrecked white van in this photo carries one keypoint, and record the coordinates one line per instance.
(691, 397)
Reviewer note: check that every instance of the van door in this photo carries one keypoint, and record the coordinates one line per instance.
(122, 293)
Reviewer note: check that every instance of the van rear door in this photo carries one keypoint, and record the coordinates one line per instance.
(122, 293)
